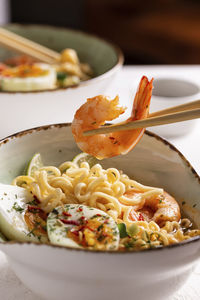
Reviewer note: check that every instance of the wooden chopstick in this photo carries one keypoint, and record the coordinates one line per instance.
(29, 44)
(173, 109)
(23, 45)
(22, 49)
(149, 122)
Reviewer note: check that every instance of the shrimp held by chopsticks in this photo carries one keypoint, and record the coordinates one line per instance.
(96, 111)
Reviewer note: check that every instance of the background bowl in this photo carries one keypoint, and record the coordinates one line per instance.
(20, 111)
(173, 91)
(58, 272)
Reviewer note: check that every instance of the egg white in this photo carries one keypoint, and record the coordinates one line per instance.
(28, 84)
(57, 231)
(12, 222)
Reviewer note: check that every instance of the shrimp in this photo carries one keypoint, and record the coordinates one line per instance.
(159, 209)
(99, 109)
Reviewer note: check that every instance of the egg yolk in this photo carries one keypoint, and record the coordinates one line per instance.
(35, 219)
(24, 71)
(92, 233)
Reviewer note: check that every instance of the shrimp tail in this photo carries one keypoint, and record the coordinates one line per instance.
(142, 100)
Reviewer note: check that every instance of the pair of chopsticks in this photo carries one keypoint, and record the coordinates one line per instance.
(174, 114)
(20, 44)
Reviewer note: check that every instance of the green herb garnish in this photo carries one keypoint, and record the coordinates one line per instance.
(128, 245)
(100, 227)
(54, 211)
(31, 232)
(17, 208)
(101, 238)
(33, 202)
(61, 76)
(122, 230)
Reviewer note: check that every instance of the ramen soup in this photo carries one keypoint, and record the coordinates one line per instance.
(23, 74)
(81, 205)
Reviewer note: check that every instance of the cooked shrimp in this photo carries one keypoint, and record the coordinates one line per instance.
(158, 209)
(99, 109)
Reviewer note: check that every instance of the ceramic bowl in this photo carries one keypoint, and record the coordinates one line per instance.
(59, 273)
(173, 91)
(20, 111)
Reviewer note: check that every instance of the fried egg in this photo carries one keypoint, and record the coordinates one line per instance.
(26, 78)
(14, 203)
(80, 226)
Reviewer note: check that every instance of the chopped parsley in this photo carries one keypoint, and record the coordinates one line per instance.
(100, 227)
(101, 238)
(61, 76)
(31, 232)
(33, 202)
(128, 245)
(17, 208)
(54, 211)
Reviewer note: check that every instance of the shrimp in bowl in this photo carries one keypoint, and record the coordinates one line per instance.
(97, 110)
(159, 208)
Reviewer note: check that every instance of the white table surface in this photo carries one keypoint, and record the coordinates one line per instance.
(10, 286)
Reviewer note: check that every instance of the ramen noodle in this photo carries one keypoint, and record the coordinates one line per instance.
(114, 193)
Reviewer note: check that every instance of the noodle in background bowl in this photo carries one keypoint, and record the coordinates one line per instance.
(46, 107)
(59, 273)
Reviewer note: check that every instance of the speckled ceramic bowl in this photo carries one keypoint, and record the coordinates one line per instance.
(20, 111)
(60, 273)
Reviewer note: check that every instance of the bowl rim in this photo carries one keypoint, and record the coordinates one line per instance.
(25, 132)
(117, 50)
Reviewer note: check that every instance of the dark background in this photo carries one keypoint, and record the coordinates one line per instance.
(148, 32)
